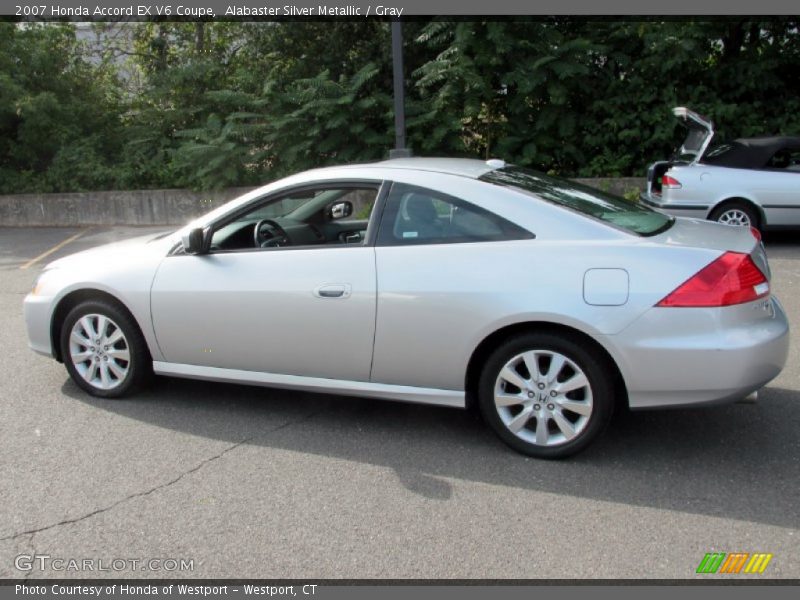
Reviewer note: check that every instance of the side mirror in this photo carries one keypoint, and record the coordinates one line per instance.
(193, 241)
(340, 210)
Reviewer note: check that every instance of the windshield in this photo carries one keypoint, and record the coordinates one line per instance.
(583, 199)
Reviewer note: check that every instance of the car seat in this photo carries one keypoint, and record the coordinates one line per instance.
(418, 219)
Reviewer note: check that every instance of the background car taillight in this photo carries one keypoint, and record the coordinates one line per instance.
(670, 183)
(731, 279)
(756, 233)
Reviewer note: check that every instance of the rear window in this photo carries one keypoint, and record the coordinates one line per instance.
(583, 199)
(694, 142)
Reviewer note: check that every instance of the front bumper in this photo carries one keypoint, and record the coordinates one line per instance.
(698, 356)
(38, 310)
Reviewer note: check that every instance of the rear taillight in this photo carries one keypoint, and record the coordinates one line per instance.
(731, 279)
(670, 183)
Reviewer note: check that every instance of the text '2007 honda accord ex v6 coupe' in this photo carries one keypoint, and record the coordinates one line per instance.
(439, 281)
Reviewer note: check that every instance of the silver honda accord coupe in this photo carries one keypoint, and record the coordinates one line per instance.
(439, 281)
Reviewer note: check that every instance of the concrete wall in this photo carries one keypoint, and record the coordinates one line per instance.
(156, 207)
(142, 207)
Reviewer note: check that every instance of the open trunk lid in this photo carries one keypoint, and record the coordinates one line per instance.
(700, 131)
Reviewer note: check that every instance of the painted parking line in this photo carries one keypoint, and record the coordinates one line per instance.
(55, 248)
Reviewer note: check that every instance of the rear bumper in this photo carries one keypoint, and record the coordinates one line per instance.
(696, 356)
(695, 210)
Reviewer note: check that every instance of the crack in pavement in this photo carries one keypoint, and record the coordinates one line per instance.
(129, 497)
(162, 486)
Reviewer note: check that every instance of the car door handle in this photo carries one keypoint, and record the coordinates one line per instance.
(333, 290)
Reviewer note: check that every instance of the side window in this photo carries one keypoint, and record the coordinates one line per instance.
(415, 215)
(785, 159)
(320, 216)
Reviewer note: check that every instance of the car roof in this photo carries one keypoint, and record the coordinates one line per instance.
(465, 167)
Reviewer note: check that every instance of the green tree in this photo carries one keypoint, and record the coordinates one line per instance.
(214, 104)
(58, 112)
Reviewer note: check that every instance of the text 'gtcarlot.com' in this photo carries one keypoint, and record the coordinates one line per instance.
(45, 562)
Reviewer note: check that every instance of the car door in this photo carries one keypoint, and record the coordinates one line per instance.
(778, 193)
(777, 187)
(296, 310)
(437, 259)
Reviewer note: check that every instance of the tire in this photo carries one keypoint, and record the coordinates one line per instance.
(119, 364)
(568, 420)
(735, 213)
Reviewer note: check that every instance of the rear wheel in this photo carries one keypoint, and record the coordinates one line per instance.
(546, 395)
(739, 214)
(103, 350)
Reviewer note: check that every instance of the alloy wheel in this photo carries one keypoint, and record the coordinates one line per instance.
(543, 398)
(99, 351)
(735, 217)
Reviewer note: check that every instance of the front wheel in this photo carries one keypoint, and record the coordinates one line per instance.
(546, 395)
(103, 350)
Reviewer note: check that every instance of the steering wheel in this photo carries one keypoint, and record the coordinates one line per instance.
(277, 237)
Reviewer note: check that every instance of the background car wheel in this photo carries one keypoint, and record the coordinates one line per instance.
(546, 395)
(739, 214)
(103, 350)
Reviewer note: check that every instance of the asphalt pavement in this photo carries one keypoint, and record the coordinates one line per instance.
(240, 481)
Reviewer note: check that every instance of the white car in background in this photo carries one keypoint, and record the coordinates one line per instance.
(752, 182)
(438, 281)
